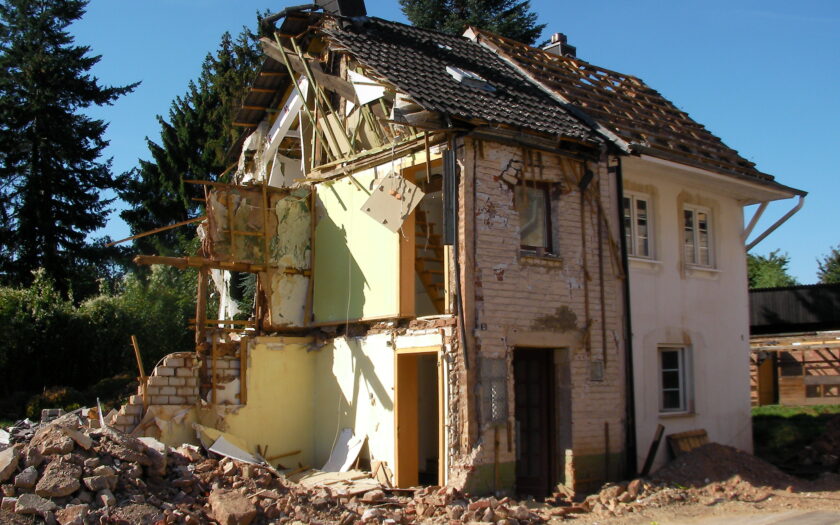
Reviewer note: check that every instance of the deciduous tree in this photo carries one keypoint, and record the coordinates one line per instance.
(829, 267)
(769, 271)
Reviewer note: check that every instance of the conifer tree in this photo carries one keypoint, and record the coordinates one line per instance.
(510, 18)
(829, 267)
(194, 142)
(51, 173)
(769, 271)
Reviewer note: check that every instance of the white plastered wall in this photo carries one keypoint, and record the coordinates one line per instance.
(705, 311)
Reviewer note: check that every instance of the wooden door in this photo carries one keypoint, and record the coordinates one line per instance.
(767, 382)
(533, 387)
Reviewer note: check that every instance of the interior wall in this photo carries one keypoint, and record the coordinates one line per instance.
(354, 388)
(357, 261)
(281, 395)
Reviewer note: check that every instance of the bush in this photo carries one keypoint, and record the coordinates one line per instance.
(50, 341)
(57, 397)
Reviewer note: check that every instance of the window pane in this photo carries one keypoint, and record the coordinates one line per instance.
(703, 238)
(688, 225)
(642, 227)
(533, 216)
(670, 359)
(672, 400)
(628, 227)
(671, 379)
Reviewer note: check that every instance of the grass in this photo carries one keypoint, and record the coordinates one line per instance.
(780, 432)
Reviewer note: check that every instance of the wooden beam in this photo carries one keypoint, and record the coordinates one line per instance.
(272, 74)
(263, 90)
(157, 230)
(143, 378)
(244, 125)
(200, 306)
(333, 83)
(255, 108)
(213, 369)
(202, 262)
(243, 371)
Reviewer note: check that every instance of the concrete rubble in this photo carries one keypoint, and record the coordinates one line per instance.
(104, 476)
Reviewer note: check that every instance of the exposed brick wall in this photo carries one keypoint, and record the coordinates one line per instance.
(514, 292)
(174, 381)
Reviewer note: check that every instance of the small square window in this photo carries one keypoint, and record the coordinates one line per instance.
(637, 225)
(534, 206)
(697, 244)
(674, 380)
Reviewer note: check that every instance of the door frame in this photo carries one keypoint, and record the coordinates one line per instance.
(405, 411)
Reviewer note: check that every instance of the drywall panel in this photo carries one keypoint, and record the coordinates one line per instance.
(288, 299)
(356, 260)
(354, 389)
(281, 396)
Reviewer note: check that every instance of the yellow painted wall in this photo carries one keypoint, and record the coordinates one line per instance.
(356, 260)
(281, 397)
(355, 389)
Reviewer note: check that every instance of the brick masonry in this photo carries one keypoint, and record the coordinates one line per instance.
(547, 295)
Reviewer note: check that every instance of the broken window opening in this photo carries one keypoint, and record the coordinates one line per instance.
(429, 250)
(533, 202)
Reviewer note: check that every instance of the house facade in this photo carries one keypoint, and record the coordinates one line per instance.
(473, 273)
(684, 194)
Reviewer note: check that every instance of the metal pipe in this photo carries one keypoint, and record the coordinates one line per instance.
(754, 220)
(778, 223)
(268, 22)
(629, 381)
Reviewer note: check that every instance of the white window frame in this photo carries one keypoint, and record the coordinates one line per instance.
(632, 234)
(685, 384)
(695, 259)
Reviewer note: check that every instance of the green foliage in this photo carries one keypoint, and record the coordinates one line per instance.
(769, 271)
(56, 397)
(194, 142)
(829, 267)
(780, 432)
(49, 341)
(509, 18)
(51, 175)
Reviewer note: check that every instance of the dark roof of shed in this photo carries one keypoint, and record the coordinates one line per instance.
(795, 309)
(627, 107)
(415, 61)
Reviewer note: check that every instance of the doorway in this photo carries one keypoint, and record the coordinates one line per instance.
(533, 371)
(418, 404)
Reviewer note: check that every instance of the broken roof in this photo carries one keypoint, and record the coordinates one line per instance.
(639, 116)
(424, 65)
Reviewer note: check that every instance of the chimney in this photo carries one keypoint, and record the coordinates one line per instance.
(558, 46)
(348, 8)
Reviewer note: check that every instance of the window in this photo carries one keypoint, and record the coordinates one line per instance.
(637, 225)
(534, 207)
(698, 236)
(674, 375)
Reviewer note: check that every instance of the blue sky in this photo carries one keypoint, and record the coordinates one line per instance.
(762, 75)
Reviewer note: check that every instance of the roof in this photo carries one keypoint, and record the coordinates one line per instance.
(795, 309)
(415, 61)
(623, 104)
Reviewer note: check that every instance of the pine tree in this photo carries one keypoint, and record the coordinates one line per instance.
(509, 18)
(829, 267)
(194, 142)
(51, 173)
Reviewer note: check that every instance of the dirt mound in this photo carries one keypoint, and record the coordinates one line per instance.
(716, 463)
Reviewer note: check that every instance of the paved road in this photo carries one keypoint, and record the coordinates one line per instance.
(793, 517)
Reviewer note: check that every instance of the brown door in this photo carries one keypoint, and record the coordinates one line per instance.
(767, 382)
(533, 387)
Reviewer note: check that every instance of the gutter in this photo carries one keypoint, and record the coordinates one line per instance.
(778, 223)
(630, 465)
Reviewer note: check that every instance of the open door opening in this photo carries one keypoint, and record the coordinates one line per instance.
(533, 370)
(419, 419)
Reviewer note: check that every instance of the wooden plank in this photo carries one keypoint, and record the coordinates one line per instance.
(684, 442)
(157, 230)
(344, 88)
(213, 378)
(143, 378)
(201, 262)
(654, 447)
(200, 307)
(243, 371)
(406, 293)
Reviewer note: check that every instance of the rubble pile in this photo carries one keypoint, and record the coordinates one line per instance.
(62, 472)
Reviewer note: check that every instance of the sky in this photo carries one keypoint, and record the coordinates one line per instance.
(763, 75)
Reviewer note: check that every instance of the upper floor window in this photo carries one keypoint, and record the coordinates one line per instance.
(533, 203)
(637, 228)
(697, 243)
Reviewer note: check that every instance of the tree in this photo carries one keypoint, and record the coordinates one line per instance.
(51, 174)
(829, 267)
(769, 271)
(194, 143)
(509, 18)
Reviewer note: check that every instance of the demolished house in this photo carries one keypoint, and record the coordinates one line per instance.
(440, 239)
